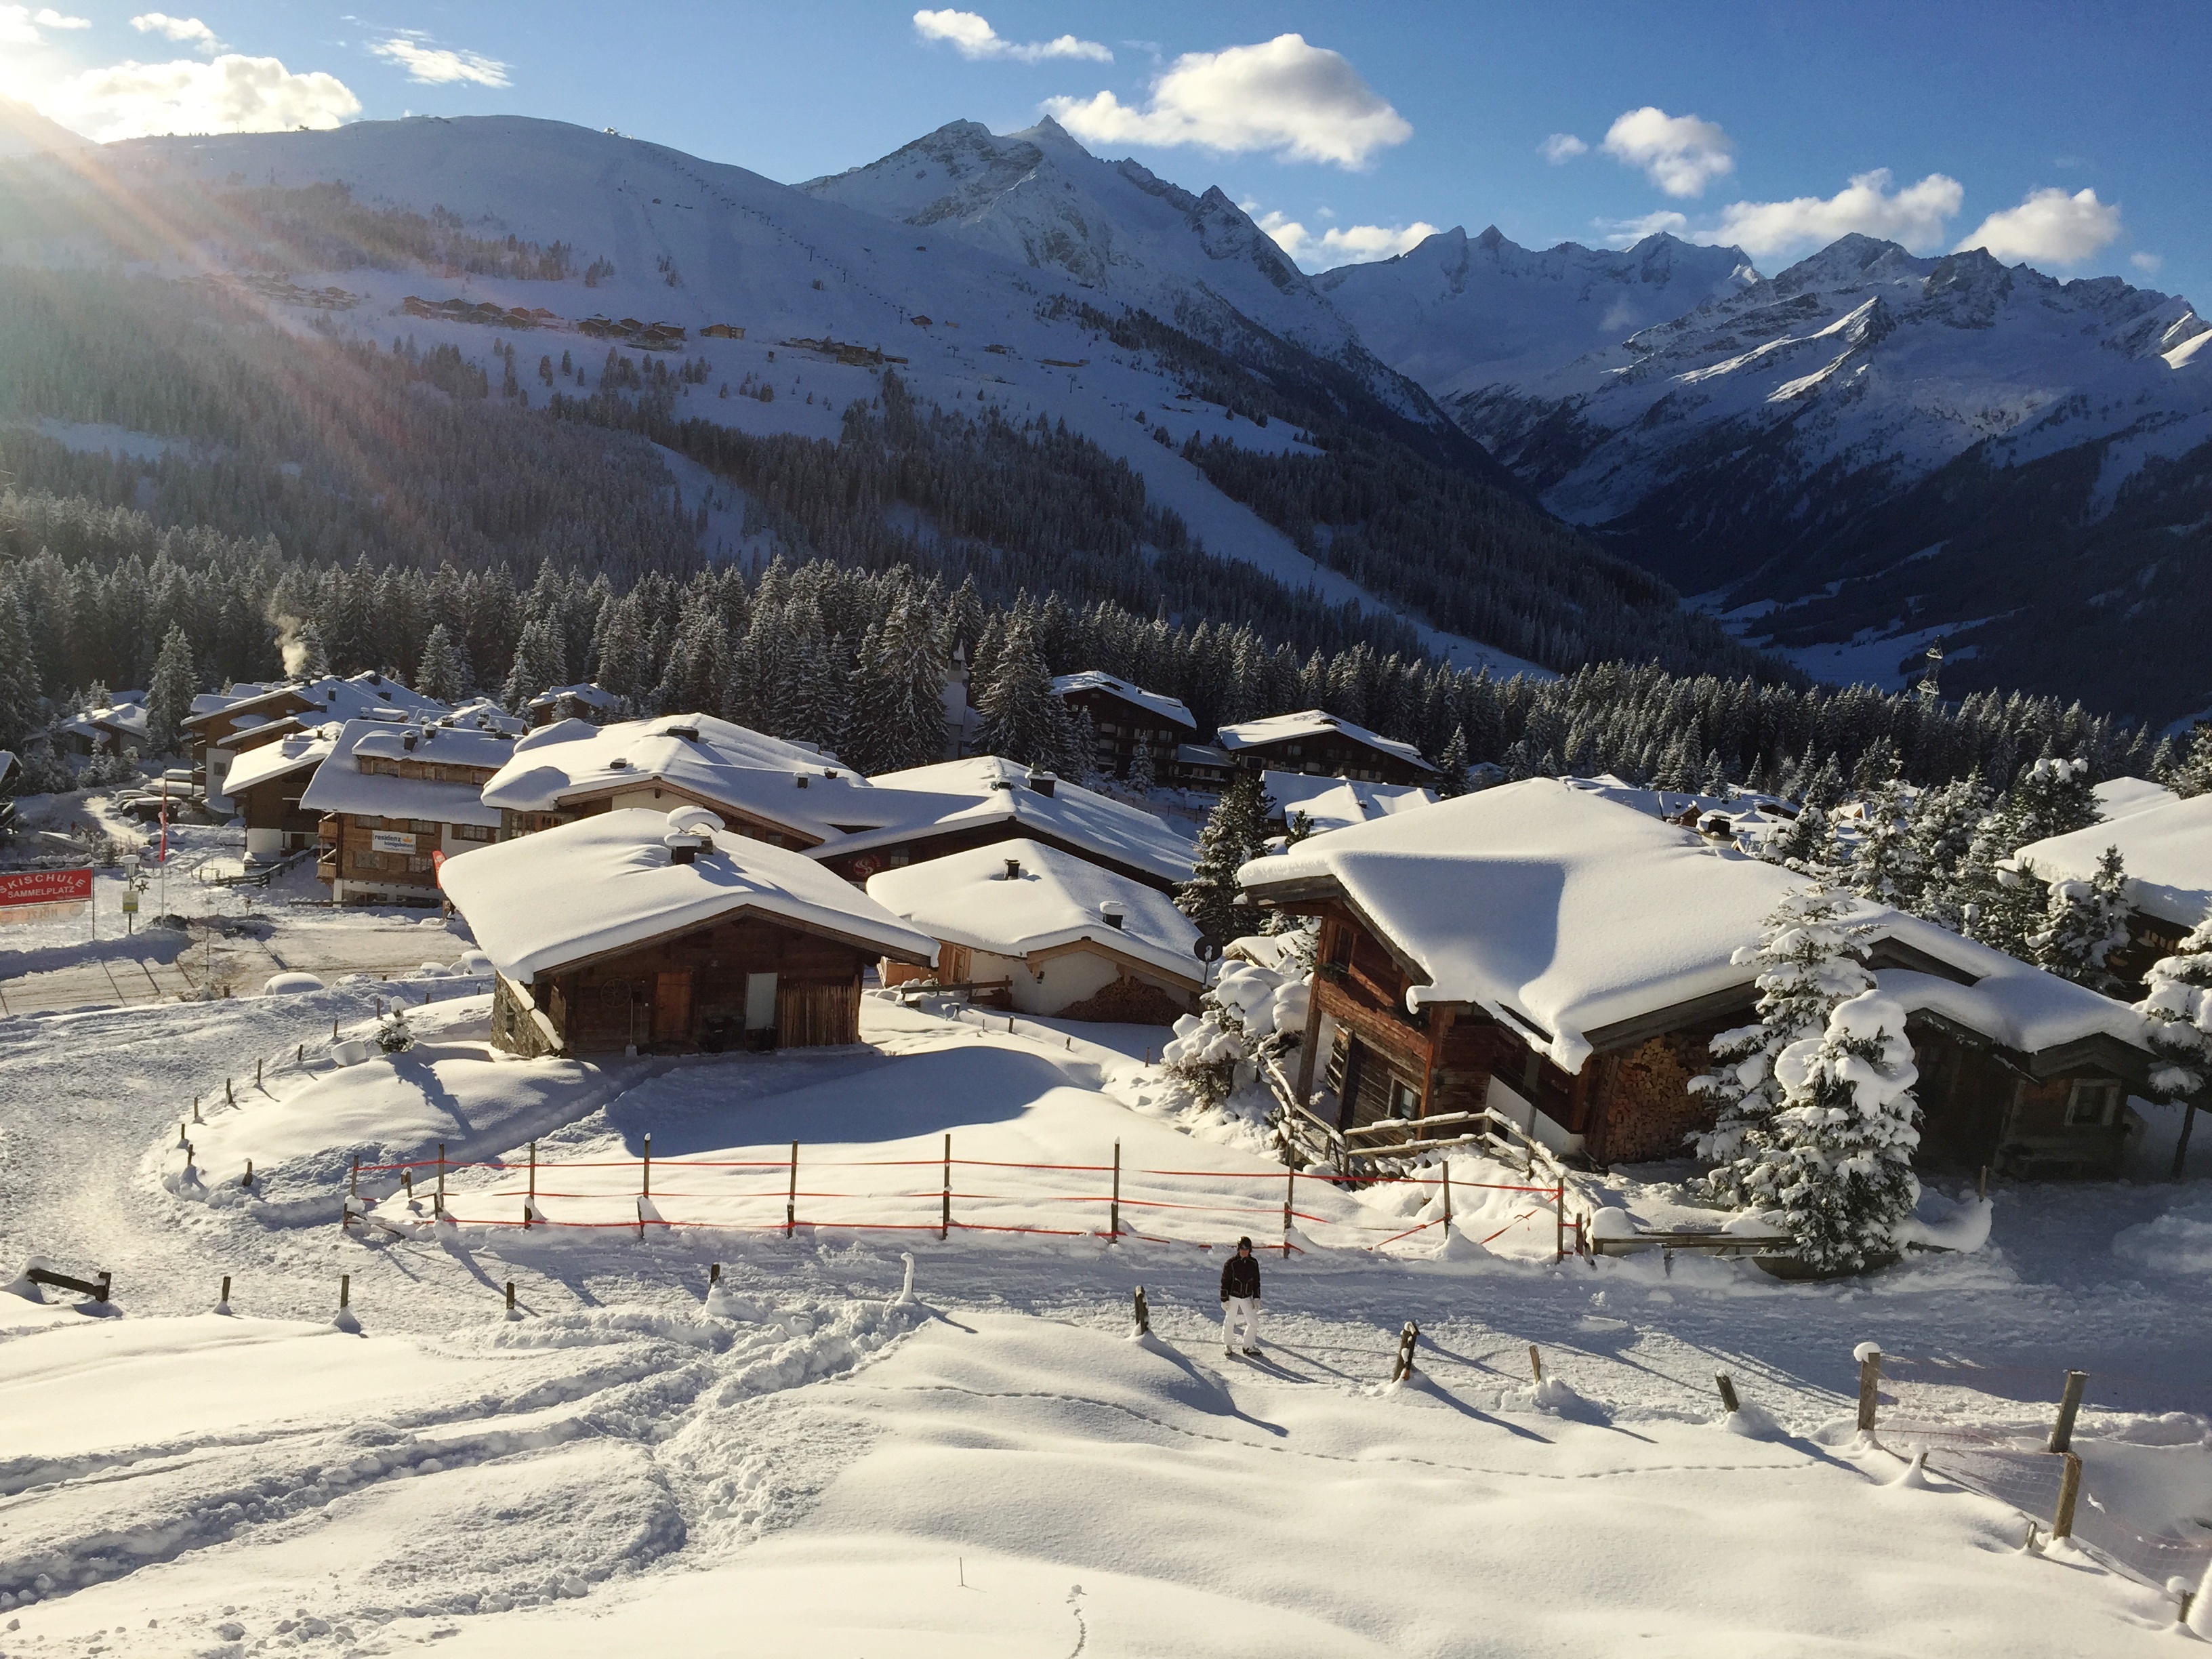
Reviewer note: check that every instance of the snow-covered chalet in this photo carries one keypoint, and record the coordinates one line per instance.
(1317, 742)
(1565, 961)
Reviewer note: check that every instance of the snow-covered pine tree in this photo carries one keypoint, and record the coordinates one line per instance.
(1452, 766)
(1235, 833)
(2177, 1010)
(2193, 775)
(19, 676)
(2083, 923)
(1885, 862)
(1837, 1165)
(2054, 798)
(1141, 776)
(1943, 821)
(541, 661)
(308, 660)
(1809, 960)
(1022, 719)
(169, 699)
(443, 672)
(908, 724)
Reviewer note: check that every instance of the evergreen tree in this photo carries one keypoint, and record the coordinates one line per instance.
(2053, 798)
(541, 661)
(2193, 776)
(1235, 833)
(2177, 1010)
(1453, 764)
(1809, 960)
(19, 676)
(443, 672)
(169, 700)
(1838, 1161)
(307, 661)
(909, 672)
(1885, 861)
(1022, 719)
(1943, 822)
(2084, 922)
(1141, 778)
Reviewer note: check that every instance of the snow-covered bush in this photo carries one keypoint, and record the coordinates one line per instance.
(2083, 923)
(1836, 1164)
(1250, 1011)
(392, 1035)
(2178, 1018)
(1809, 959)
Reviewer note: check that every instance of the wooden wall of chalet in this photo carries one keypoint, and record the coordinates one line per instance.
(512, 824)
(1331, 754)
(276, 805)
(857, 867)
(689, 993)
(1120, 725)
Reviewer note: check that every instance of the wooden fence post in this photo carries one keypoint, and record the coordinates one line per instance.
(1559, 1221)
(441, 1177)
(1869, 1389)
(246, 1180)
(353, 1180)
(1535, 1363)
(1729, 1403)
(224, 1299)
(510, 1296)
(2070, 1489)
(1290, 1200)
(1407, 1340)
(256, 1072)
(1447, 1195)
(345, 1291)
(530, 1204)
(944, 1220)
(1113, 1214)
(713, 1274)
(1144, 1313)
(229, 1094)
(197, 1118)
(791, 1204)
(2069, 1406)
(648, 1167)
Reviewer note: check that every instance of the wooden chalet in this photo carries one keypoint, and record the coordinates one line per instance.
(266, 786)
(670, 936)
(1316, 741)
(392, 800)
(1127, 719)
(2164, 844)
(1564, 962)
(221, 727)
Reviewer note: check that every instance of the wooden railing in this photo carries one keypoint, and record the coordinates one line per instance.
(1303, 1136)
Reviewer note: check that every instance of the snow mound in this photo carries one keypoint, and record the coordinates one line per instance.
(386, 1109)
(2178, 1242)
(1754, 1422)
(1940, 1225)
(279, 984)
(1555, 1397)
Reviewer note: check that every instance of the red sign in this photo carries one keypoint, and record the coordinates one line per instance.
(45, 887)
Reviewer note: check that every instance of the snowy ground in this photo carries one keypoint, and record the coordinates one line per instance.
(998, 1470)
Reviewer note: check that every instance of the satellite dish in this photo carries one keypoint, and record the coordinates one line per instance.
(1207, 949)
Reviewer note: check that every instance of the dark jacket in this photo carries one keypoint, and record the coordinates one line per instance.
(1240, 1276)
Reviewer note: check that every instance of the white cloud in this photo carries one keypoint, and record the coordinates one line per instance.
(1341, 245)
(185, 30)
(233, 93)
(1303, 103)
(2148, 264)
(972, 36)
(1914, 215)
(1626, 233)
(19, 24)
(1562, 147)
(435, 66)
(1679, 154)
(2049, 226)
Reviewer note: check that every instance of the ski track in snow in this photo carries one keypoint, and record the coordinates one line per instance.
(277, 1491)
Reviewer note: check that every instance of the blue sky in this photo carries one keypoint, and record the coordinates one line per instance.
(2073, 136)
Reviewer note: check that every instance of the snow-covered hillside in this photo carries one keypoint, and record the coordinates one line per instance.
(1458, 313)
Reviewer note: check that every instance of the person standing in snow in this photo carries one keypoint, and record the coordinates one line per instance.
(1240, 1299)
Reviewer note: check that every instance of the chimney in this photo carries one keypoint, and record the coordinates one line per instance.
(800, 778)
(408, 743)
(1013, 870)
(1043, 783)
(1112, 912)
(683, 852)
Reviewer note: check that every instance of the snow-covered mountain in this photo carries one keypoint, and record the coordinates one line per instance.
(24, 131)
(1459, 312)
(1843, 450)
(1041, 200)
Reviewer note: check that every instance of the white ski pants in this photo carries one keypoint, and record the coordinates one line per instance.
(1240, 1312)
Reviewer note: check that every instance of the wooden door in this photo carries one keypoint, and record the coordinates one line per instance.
(671, 1006)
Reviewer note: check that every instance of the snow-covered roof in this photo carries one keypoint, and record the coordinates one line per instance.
(1563, 914)
(2166, 850)
(1557, 911)
(966, 898)
(618, 885)
(485, 715)
(2011, 1002)
(985, 789)
(1339, 803)
(2120, 798)
(125, 717)
(1311, 723)
(339, 786)
(718, 763)
(589, 695)
(1093, 679)
(332, 698)
(1673, 803)
(278, 757)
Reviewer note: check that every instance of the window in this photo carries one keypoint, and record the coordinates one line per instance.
(2091, 1104)
(1404, 1099)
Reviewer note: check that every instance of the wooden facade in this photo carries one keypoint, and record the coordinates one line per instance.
(1122, 724)
(660, 797)
(744, 982)
(929, 843)
(1332, 754)
(274, 820)
(1367, 1060)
